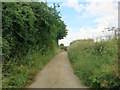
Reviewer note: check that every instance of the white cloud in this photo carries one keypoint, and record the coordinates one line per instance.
(84, 33)
(105, 10)
(73, 4)
(69, 28)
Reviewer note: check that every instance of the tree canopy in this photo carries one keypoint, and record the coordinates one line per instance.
(27, 25)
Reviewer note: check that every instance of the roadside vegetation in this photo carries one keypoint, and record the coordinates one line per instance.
(96, 63)
(30, 37)
(63, 47)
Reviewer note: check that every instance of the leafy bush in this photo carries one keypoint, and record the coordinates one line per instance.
(61, 44)
(64, 47)
(18, 75)
(30, 35)
(28, 25)
(96, 63)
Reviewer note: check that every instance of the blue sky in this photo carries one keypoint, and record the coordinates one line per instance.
(73, 18)
(86, 18)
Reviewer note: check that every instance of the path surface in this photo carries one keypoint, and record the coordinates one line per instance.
(57, 74)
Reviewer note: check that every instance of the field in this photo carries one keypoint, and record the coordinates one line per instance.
(95, 63)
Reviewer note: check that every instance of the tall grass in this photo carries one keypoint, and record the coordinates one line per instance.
(95, 63)
(20, 73)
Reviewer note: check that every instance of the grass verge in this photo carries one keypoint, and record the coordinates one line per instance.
(20, 73)
(95, 63)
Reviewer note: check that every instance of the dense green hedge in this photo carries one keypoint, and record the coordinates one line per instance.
(20, 76)
(30, 35)
(96, 63)
(29, 25)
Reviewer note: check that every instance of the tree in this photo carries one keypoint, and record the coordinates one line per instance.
(62, 44)
(27, 25)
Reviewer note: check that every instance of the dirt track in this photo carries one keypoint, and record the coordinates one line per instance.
(57, 74)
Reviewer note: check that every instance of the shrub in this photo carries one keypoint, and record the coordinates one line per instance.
(30, 35)
(96, 63)
(64, 47)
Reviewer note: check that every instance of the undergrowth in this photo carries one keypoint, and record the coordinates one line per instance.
(96, 63)
(19, 73)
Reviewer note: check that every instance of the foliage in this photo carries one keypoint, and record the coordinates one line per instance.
(27, 25)
(96, 63)
(22, 75)
(89, 40)
(29, 29)
(61, 44)
(64, 47)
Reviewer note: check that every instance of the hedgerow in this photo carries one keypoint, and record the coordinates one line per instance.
(28, 28)
(96, 63)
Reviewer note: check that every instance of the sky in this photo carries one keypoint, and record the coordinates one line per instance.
(86, 18)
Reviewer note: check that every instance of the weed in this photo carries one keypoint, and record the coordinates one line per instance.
(95, 63)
